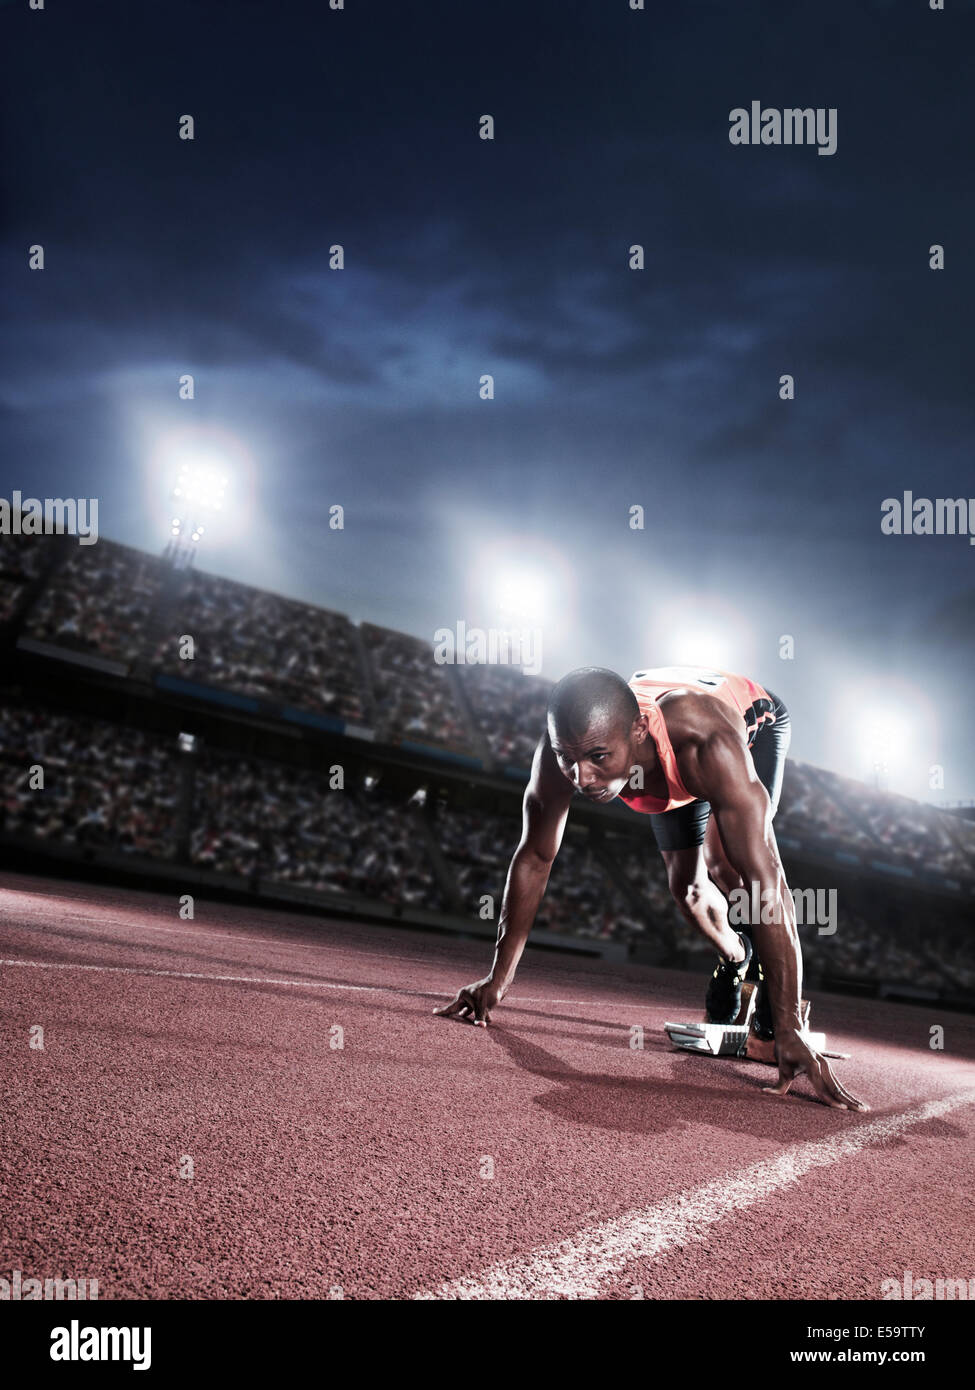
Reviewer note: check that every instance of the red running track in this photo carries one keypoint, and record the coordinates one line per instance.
(366, 1171)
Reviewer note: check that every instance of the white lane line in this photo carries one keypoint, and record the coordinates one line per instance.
(301, 984)
(198, 975)
(200, 933)
(201, 937)
(576, 1267)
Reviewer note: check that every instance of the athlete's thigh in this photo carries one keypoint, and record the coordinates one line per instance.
(682, 828)
(680, 838)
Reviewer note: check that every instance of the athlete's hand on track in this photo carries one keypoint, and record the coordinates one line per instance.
(477, 999)
(794, 1055)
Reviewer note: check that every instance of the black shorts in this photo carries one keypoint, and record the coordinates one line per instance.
(686, 826)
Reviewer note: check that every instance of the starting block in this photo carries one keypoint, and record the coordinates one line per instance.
(738, 1039)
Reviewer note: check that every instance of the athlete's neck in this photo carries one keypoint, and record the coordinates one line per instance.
(648, 761)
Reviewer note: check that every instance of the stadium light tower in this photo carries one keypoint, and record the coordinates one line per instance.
(888, 734)
(198, 494)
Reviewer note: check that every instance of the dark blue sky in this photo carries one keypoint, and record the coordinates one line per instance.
(463, 257)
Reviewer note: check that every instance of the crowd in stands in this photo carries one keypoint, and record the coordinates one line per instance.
(882, 942)
(580, 900)
(22, 560)
(100, 602)
(116, 602)
(104, 786)
(478, 848)
(111, 787)
(108, 787)
(805, 810)
(258, 819)
(415, 697)
(259, 644)
(583, 900)
(842, 813)
(636, 859)
(906, 829)
(509, 707)
(949, 948)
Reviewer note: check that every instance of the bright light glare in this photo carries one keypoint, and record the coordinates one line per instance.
(885, 737)
(893, 739)
(702, 646)
(522, 594)
(201, 473)
(203, 484)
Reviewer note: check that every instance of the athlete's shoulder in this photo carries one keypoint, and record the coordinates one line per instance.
(693, 714)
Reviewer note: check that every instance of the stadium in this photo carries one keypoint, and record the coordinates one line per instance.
(221, 780)
(308, 779)
(360, 445)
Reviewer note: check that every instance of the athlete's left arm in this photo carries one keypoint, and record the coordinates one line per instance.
(740, 804)
(724, 773)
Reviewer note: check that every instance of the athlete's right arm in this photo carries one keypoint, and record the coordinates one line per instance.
(545, 808)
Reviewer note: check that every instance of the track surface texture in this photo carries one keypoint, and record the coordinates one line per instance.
(543, 1157)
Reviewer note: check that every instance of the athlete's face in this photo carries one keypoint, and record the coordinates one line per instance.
(599, 763)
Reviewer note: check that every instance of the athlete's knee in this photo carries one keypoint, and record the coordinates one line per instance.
(687, 875)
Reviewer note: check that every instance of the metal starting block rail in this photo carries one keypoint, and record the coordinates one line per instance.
(723, 1039)
(732, 1039)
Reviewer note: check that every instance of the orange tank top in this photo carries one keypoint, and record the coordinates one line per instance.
(751, 701)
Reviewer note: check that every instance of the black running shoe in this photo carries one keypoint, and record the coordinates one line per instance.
(762, 1025)
(723, 1000)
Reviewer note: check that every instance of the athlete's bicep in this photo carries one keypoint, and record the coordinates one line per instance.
(739, 802)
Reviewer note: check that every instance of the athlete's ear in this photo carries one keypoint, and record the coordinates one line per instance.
(640, 729)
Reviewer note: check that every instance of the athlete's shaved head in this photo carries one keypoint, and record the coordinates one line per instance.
(596, 731)
(588, 696)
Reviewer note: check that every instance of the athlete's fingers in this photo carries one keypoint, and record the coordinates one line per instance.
(838, 1089)
(828, 1089)
(854, 1102)
(481, 1015)
(781, 1088)
(825, 1092)
(460, 1001)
